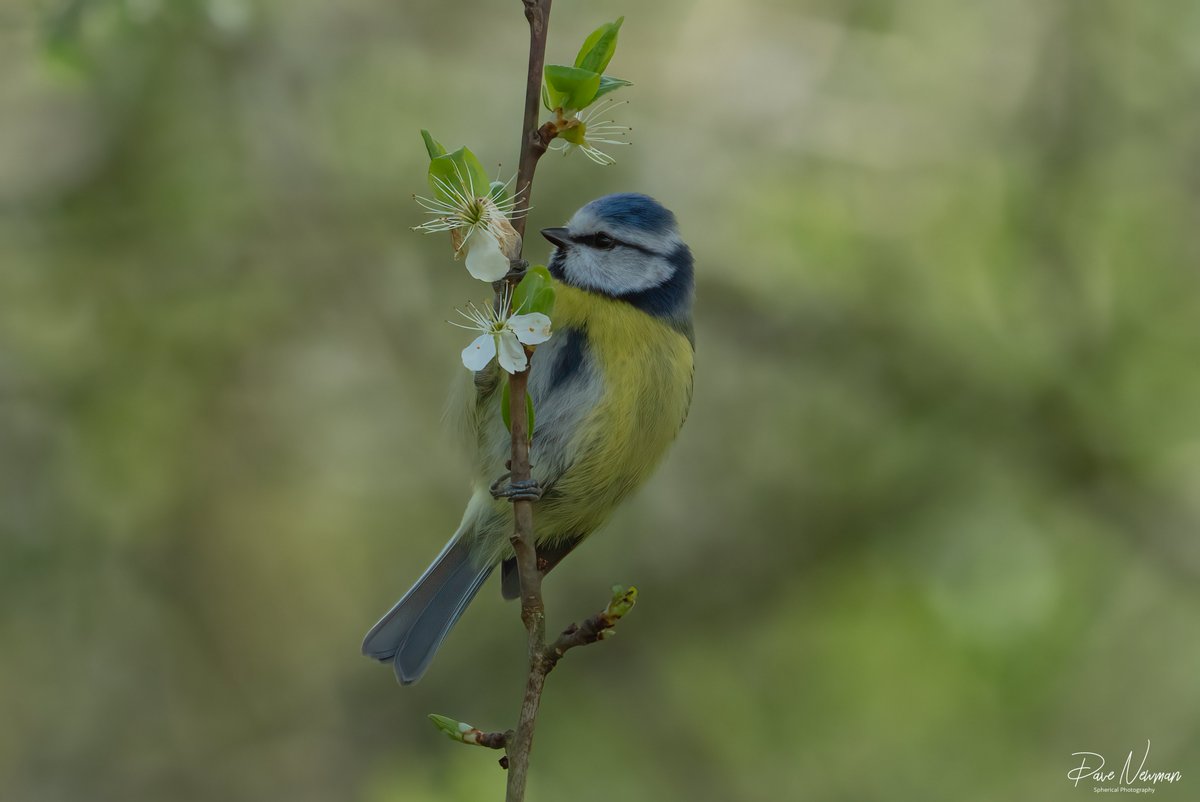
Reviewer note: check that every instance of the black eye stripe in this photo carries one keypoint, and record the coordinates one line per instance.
(599, 240)
(591, 241)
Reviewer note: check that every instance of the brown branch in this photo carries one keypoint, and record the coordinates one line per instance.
(533, 611)
(542, 659)
(517, 744)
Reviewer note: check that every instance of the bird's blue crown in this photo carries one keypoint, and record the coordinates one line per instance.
(634, 211)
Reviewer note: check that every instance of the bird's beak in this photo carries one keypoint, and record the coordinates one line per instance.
(556, 235)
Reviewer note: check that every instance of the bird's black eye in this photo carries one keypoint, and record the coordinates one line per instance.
(603, 241)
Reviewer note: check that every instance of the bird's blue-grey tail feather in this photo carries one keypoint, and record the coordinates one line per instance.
(411, 632)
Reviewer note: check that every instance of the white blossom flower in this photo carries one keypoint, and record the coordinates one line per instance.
(502, 335)
(588, 131)
(478, 226)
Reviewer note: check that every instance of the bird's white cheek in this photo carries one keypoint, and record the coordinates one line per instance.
(617, 272)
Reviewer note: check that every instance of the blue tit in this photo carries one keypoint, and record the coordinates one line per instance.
(611, 388)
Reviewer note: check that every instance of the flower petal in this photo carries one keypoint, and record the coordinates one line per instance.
(479, 353)
(531, 329)
(484, 259)
(512, 353)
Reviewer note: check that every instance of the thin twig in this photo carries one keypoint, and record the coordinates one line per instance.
(534, 140)
(517, 744)
(542, 659)
(533, 611)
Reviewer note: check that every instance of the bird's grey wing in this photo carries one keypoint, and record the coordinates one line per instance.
(565, 385)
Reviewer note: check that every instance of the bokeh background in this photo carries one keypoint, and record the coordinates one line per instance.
(930, 528)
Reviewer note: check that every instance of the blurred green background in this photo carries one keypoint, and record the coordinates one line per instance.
(930, 528)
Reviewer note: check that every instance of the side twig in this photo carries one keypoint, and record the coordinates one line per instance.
(466, 734)
(596, 628)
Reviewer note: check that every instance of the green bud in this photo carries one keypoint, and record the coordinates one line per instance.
(623, 600)
(454, 730)
(599, 47)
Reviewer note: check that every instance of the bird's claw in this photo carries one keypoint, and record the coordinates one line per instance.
(522, 490)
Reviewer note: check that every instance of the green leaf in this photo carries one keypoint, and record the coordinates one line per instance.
(546, 99)
(460, 170)
(609, 84)
(535, 293)
(506, 409)
(434, 147)
(599, 47)
(570, 88)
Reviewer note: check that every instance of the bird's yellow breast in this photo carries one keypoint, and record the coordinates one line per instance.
(646, 368)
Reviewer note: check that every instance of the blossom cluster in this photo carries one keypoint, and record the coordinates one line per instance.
(478, 213)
